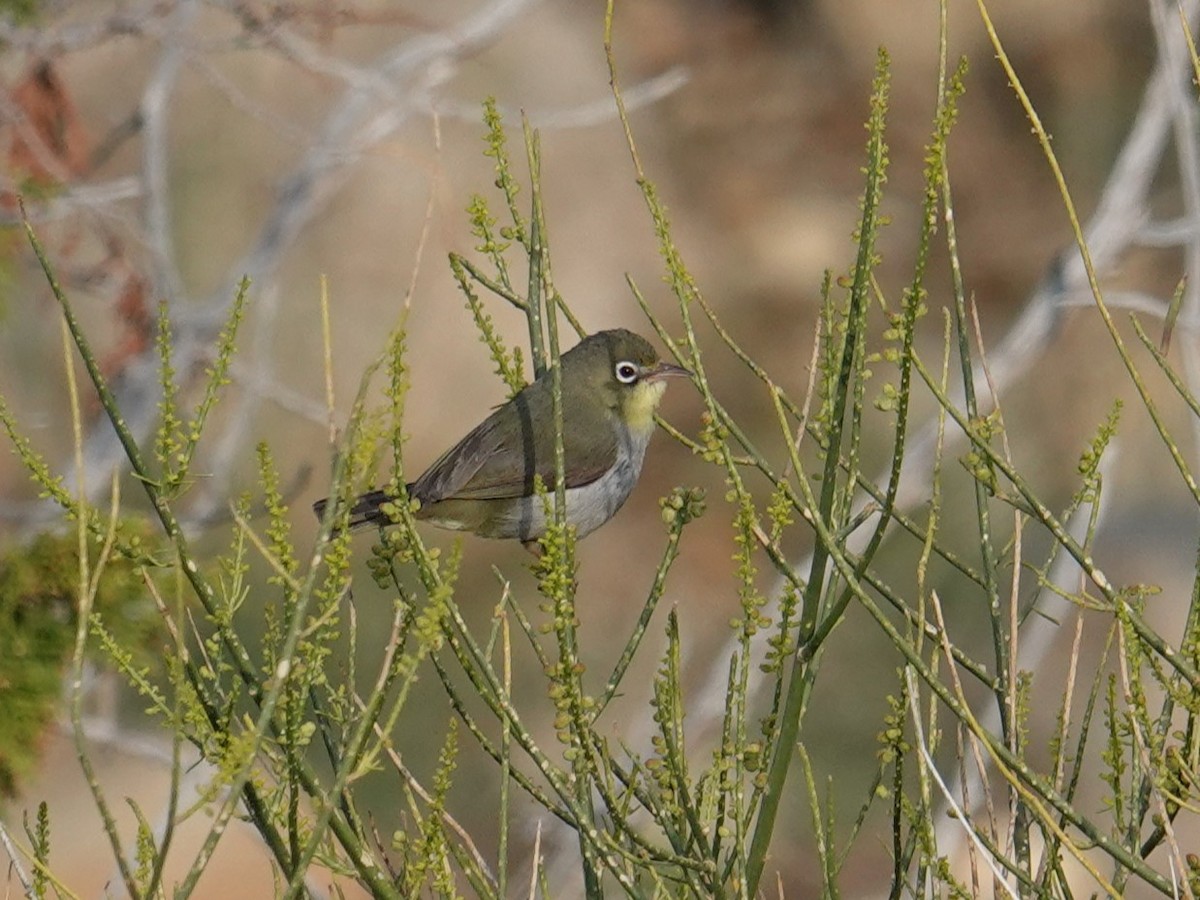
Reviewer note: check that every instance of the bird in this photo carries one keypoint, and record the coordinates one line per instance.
(611, 385)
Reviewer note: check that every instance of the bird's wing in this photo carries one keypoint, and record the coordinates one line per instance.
(499, 458)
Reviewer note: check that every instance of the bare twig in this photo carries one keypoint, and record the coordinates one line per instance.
(373, 106)
(155, 109)
(959, 820)
(14, 860)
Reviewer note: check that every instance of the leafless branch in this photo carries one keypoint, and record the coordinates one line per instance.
(378, 99)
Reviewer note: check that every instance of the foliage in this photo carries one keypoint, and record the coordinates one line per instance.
(21, 11)
(39, 584)
(292, 742)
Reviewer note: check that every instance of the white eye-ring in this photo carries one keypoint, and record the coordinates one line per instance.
(626, 372)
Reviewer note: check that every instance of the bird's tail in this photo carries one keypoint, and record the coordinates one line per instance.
(367, 509)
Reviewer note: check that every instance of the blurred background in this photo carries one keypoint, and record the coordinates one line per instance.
(178, 146)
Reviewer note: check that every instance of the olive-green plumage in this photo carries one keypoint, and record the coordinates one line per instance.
(612, 382)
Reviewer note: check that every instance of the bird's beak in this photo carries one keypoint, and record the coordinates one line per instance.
(662, 370)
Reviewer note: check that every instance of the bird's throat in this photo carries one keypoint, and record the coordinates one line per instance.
(641, 404)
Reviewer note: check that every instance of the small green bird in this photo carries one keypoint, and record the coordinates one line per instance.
(612, 382)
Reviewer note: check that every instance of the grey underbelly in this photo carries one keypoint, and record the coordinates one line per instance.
(588, 506)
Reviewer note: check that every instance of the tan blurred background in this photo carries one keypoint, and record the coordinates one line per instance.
(757, 154)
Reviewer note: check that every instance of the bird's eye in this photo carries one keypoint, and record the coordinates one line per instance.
(626, 372)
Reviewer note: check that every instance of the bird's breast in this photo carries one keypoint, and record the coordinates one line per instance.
(589, 505)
